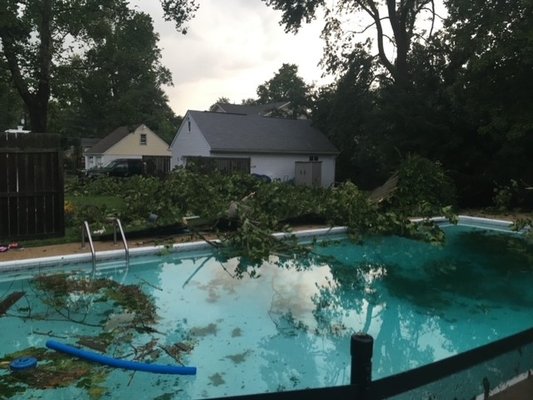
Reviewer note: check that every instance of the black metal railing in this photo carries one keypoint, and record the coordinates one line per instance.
(362, 386)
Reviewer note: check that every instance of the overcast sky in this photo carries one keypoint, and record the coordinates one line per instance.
(232, 46)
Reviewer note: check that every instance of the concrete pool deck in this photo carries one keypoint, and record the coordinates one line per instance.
(73, 252)
(522, 390)
(59, 250)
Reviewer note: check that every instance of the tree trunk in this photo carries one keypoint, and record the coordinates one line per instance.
(38, 116)
(36, 102)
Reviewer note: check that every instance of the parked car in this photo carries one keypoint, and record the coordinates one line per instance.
(262, 178)
(121, 167)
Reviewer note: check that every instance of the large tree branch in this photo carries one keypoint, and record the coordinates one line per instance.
(433, 14)
(371, 9)
(367, 27)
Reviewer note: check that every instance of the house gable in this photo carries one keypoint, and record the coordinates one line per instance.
(189, 141)
(126, 143)
(142, 141)
(108, 141)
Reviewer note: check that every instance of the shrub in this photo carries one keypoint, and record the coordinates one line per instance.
(424, 189)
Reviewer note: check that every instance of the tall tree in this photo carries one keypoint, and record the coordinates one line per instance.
(394, 23)
(119, 80)
(493, 44)
(372, 114)
(286, 85)
(220, 100)
(10, 103)
(38, 36)
(347, 112)
(492, 53)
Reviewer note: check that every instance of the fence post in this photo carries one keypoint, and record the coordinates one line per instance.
(361, 346)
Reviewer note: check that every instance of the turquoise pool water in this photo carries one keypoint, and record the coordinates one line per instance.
(287, 328)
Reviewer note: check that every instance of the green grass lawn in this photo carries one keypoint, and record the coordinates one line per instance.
(113, 205)
(110, 202)
(72, 235)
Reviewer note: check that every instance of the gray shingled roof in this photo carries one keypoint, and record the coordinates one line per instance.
(257, 109)
(226, 132)
(110, 140)
(88, 142)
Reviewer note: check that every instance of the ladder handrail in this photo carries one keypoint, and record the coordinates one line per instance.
(87, 231)
(124, 241)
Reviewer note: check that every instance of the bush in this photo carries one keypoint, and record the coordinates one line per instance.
(424, 189)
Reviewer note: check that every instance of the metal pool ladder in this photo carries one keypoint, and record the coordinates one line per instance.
(86, 231)
(117, 223)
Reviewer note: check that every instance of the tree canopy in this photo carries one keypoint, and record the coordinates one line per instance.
(41, 37)
(464, 103)
(118, 82)
(286, 85)
(459, 96)
(10, 104)
(394, 22)
(220, 100)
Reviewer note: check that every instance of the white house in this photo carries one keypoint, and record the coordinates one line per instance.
(124, 142)
(283, 149)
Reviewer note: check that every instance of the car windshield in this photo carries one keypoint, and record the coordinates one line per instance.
(114, 163)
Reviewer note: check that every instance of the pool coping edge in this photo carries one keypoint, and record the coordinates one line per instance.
(202, 245)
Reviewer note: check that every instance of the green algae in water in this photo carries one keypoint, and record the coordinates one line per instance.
(239, 358)
(236, 332)
(217, 379)
(500, 253)
(210, 329)
(481, 267)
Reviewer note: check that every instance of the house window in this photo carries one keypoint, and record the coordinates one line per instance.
(98, 161)
(143, 139)
(313, 158)
(189, 124)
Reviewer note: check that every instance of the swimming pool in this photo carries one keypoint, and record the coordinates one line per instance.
(287, 328)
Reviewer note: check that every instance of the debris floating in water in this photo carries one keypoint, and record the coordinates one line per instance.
(9, 301)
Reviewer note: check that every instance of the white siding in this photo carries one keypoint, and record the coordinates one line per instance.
(188, 142)
(282, 166)
(328, 170)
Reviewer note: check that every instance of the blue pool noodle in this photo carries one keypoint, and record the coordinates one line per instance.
(113, 362)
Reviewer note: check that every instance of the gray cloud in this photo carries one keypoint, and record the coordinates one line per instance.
(231, 47)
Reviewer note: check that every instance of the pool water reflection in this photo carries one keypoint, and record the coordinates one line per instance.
(286, 328)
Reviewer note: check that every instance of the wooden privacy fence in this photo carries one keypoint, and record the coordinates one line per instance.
(31, 186)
